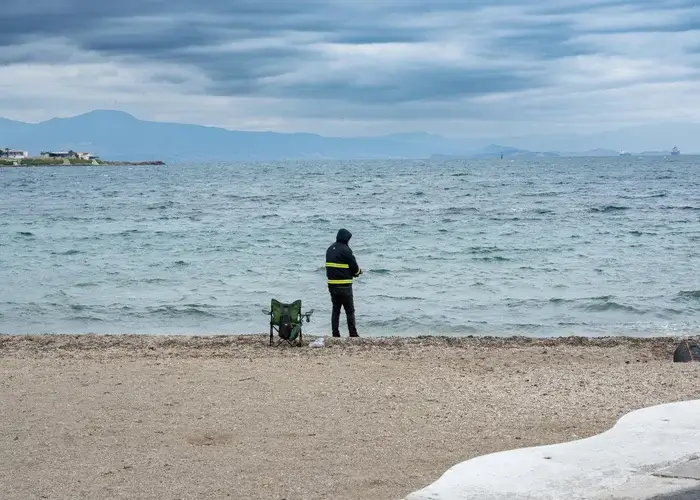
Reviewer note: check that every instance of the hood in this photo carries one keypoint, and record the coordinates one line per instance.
(343, 236)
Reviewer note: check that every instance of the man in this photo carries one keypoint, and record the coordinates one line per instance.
(341, 268)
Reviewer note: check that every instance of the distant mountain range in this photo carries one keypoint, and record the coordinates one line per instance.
(116, 135)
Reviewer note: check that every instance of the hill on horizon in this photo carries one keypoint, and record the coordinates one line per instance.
(120, 136)
(117, 135)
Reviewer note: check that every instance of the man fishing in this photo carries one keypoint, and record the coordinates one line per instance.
(341, 268)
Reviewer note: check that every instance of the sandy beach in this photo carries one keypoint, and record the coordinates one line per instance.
(158, 417)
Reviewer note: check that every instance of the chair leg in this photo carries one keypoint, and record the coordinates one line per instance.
(272, 342)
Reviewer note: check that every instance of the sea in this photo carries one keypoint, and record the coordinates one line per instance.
(537, 247)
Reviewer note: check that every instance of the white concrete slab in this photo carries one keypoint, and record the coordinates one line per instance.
(608, 466)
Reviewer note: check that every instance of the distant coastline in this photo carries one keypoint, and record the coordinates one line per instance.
(121, 136)
(67, 162)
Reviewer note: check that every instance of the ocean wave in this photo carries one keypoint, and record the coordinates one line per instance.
(679, 207)
(507, 219)
(59, 294)
(487, 250)
(605, 299)
(558, 300)
(25, 233)
(319, 219)
(458, 210)
(589, 304)
(73, 218)
(644, 196)
(397, 297)
(187, 310)
(673, 312)
(67, 252)
(141, 281)
(689, 295)
(524, 326)
(86, 284)
(432, 257)
(541, 194)
(607, 306)
(85, 318)
(411, 269)
(379, 271)
(496, 258)
(609, 209)
(161, 206)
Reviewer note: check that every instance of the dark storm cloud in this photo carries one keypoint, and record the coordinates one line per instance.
(444, 84)
(244, 46)
(547, 42)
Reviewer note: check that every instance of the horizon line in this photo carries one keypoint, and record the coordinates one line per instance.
(385, 135)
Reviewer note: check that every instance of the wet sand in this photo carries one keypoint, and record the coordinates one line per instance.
(155, 417)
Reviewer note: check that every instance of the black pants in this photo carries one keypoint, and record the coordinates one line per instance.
(341, 296)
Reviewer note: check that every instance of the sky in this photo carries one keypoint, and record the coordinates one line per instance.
(458, 68)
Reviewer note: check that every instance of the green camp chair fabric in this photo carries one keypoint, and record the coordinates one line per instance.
(286, 319)
(294, 310)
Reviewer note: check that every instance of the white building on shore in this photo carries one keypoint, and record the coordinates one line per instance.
(68, 154)
(13, 154)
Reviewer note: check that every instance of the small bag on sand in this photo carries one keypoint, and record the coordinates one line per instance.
(686, 352)
(317, 343)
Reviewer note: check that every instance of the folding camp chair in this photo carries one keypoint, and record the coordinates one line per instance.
(286, 320)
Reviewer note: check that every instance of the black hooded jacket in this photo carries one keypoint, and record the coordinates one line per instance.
(341, 266)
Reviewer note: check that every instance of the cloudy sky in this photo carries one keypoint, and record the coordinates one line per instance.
(461, 68)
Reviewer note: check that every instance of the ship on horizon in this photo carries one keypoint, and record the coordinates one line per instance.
(625, 153)
(675, 151)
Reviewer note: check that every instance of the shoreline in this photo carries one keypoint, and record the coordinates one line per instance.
(76, 163)
(259, 341)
